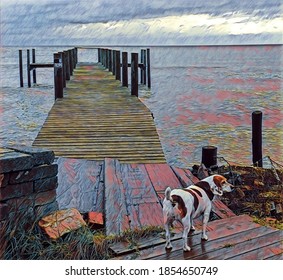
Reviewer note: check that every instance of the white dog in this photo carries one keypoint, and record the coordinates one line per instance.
(189, 203)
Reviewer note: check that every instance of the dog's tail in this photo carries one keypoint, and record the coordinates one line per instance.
(168, 193)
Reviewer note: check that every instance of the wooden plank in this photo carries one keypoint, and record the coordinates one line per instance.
(136, 200)
(259, 248)
(217, 229)
(275, 257)
(232, 245)
(162, 176)
(185, 176)
(80, 184)
(116, 215)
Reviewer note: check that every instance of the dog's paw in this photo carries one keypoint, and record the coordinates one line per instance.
(204, 237)
(186, 248)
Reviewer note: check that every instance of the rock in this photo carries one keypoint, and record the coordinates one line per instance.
(61, 222)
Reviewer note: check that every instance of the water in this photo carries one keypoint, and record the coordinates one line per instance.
(200, 96)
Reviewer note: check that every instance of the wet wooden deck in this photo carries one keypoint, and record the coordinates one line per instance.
(234, 238)
(98, 118)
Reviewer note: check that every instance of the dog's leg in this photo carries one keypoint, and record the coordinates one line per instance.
(192, 225)
(187, 226)
(205, 221)
(168, 240)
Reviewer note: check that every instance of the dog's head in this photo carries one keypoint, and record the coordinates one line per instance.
(218, 184)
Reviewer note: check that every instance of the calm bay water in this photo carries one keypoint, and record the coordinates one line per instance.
(199, 96)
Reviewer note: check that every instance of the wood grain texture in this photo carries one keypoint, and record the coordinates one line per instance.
(98, 118)
(80, 185)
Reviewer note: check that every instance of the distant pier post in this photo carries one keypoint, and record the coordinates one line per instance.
(114, 62)
(118, 66)
(144, 67)
(99, 54)
(209, 156)
(134, 74)
(21, 68)
(257, 138)
(67, 65)
(58, 76)
(148, 68)
(34, 69)
(28, 68)
(125, 69)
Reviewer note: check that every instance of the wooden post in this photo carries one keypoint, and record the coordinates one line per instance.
(34, 69)
(148, 69)
(118, 66)
(28, 68)
(114, 62)
(107, 59)
(134, 74)
(76, 56)
(257, 138)
(125, 69)
(67, 65)
(144, 67)
(63, 68)
(58, 76)
(21, 68)
(209, 156)
(70, 62)
(110, 60)
(99, 54)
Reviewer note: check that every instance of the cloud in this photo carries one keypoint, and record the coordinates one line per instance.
(143, 21)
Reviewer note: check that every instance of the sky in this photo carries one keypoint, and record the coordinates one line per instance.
(140, 22)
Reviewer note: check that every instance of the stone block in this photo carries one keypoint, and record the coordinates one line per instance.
(4, 211)
(43, 198)
(36, 173)
(20, 204)
(40, 155)
(15, 161)
(15, 191)
(4, 179)
(45, 184)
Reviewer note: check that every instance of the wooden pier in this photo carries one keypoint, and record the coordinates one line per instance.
(99, 118)
(111, 161)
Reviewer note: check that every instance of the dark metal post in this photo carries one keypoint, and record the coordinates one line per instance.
(125, 69)
(134, 74)
(148, 69)
(209, 156)
(257, 138)
(118, 66)
(34, 69)
(28, 68)
(58, 76)
(21, 68)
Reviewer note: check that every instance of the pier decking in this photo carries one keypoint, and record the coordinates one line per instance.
(99, 118)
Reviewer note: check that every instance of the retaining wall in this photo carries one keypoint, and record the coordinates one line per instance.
(28, 182)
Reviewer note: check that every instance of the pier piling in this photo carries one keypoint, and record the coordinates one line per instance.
(257, 138)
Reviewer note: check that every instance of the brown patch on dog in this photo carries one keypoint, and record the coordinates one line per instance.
(219, 180)
(206, 187)
(196, 201)
(181, 205)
